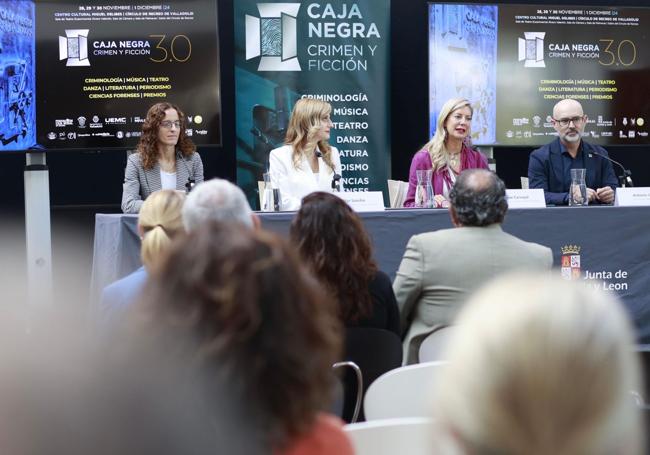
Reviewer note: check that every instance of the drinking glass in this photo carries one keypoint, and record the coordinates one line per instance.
(424, 188)
(578, 188)
(269, 202)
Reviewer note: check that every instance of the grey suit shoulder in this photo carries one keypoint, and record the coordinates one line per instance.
(140, 183)
(441, 269)
(446, 242)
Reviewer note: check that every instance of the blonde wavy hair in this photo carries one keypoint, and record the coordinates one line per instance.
(540, 365)
(436, 146)
(304, 125)
(159, 221)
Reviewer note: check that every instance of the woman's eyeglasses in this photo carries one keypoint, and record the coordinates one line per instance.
(169, 123)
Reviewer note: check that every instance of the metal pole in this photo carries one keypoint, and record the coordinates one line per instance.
(38, 229)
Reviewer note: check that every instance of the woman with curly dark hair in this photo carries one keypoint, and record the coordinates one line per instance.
(332, 240)
(166, 158)
(237, 304)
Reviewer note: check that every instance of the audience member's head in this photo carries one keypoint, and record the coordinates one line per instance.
(217, 200)
(255, 320)
(478, 198)
(158, 222)
(539, 365)
(331, 239)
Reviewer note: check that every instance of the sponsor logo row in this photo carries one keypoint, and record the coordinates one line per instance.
(73, 135)
(96, 122)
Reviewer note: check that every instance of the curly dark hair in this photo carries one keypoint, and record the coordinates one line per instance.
(479, 198)
(332, 239)
(148, 145)
(255, 315)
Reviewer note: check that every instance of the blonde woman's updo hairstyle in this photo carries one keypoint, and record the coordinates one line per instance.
(304, 126)
(539, 365)
(436, 146)
(160, 220)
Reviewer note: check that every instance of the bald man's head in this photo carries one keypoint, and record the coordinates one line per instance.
(565, 106)
(569, 121)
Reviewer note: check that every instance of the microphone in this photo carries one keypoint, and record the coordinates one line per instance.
(189, 185)
(336, 185)
(626, 178)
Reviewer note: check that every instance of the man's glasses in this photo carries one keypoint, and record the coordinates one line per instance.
(169, 123)
(566, 121)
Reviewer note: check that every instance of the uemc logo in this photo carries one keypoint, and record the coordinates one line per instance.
(531, 49)
(274, 36)
(74, 47)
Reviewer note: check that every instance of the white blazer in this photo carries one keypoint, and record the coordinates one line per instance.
(294, 184)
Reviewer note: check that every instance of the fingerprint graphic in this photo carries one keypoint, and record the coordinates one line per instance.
(271, 37)
(73, 47)
(531, 49)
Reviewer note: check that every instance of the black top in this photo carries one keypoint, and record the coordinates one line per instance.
(385, 314)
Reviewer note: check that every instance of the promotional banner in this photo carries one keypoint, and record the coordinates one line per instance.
(463, 63)
(101, 65)
(333, 51)
(515, 62)
(17, 83)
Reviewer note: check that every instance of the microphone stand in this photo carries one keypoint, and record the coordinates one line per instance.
(336, 185)
(625, 180)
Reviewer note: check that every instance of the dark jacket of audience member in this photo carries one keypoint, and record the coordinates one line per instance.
(332, 240)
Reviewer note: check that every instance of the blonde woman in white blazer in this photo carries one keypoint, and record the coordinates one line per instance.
(306, 163)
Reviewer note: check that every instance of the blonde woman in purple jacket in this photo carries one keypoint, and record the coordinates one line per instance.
(447, 153)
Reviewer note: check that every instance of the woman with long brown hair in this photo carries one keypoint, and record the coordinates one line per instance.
(166, 158)
(236, 305)
(332, 240)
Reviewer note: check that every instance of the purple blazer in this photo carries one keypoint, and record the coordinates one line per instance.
(469, 159)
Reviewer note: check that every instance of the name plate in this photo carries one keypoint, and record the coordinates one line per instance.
(363, 201)
(631, 197)
(526, 199)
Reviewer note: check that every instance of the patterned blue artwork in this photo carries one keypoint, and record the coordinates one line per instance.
(462, 63)
(17, 84)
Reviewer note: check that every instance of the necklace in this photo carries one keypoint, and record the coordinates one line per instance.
(454, 160)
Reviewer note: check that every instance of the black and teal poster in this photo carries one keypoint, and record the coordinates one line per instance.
(335, 51)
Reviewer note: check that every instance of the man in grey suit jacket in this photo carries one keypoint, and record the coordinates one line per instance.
(440, 269)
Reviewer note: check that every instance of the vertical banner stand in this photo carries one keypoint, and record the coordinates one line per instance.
(38, 229)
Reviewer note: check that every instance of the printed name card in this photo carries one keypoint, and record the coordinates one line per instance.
(526, 199)
(630, 197)
(363, 201)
